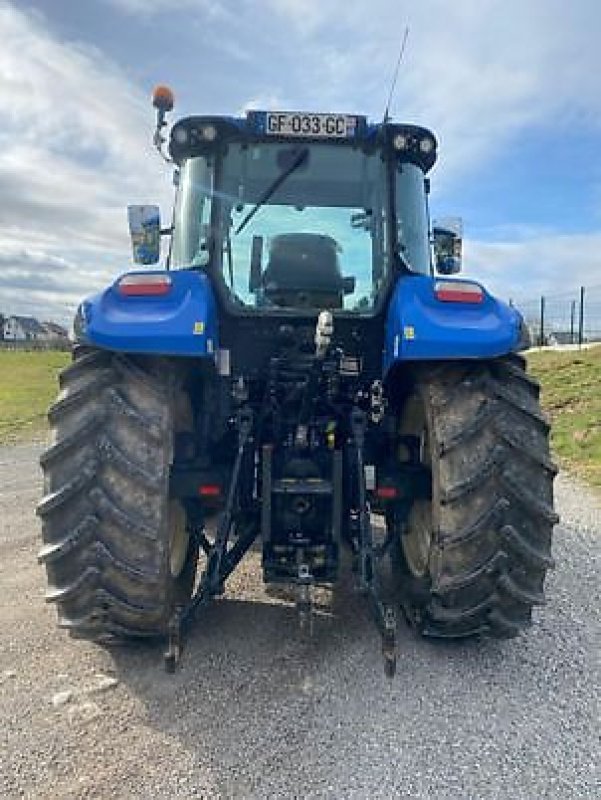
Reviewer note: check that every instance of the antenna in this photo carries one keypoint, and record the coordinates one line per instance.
(396, 72)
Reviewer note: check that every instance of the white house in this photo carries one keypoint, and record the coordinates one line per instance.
(22, 329)
(52, 332)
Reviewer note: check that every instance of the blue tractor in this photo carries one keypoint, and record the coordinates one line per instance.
(305, 377)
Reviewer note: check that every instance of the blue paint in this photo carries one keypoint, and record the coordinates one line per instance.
(421, 327)
(180, 323)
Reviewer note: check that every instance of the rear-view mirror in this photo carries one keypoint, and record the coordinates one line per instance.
(145, 232)
(447, 235)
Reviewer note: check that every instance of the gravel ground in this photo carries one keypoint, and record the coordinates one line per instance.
(256, 712)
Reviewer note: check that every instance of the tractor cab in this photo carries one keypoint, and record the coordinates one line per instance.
(300, 211)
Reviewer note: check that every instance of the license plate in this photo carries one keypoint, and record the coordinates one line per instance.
(328, 126)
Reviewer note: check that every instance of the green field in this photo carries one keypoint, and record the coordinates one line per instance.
(571, 397)
(28, 384)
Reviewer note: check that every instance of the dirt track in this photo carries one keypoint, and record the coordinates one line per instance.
(254, 712)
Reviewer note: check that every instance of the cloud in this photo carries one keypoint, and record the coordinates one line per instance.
(535, 264)
(74, 147)
(150, 8)
(30, 259)
(306, 17)
(32, 277)
(477, 71)
(262, 101)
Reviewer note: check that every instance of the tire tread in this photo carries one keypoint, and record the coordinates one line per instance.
(492, 540)
(105, 553)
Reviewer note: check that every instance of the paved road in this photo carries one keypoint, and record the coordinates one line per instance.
(256, 713)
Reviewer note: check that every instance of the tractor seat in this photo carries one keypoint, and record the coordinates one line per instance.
(303, 270)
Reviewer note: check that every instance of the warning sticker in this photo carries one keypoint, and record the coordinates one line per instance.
(199, 328)
(409, 332)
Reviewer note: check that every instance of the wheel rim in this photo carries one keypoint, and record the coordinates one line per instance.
(179, 534)
(179, 538)
(417, 539)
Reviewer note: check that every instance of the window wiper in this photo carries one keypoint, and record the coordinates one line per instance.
(300, 159)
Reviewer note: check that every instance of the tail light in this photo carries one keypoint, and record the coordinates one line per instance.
(387, 492)
(458, 292)
(209, 490)
(141, 285)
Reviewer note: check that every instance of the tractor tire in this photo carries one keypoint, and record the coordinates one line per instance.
(477, 553)
(117, 550)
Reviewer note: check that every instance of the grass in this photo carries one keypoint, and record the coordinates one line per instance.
(28, 384)
(571, 397)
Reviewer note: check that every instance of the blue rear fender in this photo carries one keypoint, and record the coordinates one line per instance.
(181, 322)
(422, 327)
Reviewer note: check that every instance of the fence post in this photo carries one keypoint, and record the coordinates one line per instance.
(581, 318)
(541, 335)
(572, 318)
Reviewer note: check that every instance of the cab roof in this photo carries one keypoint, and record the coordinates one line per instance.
(202, 135)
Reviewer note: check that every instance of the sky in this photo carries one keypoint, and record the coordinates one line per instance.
(511, 90)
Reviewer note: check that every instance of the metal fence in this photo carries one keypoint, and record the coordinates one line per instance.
(32, 344)
(572, 317)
